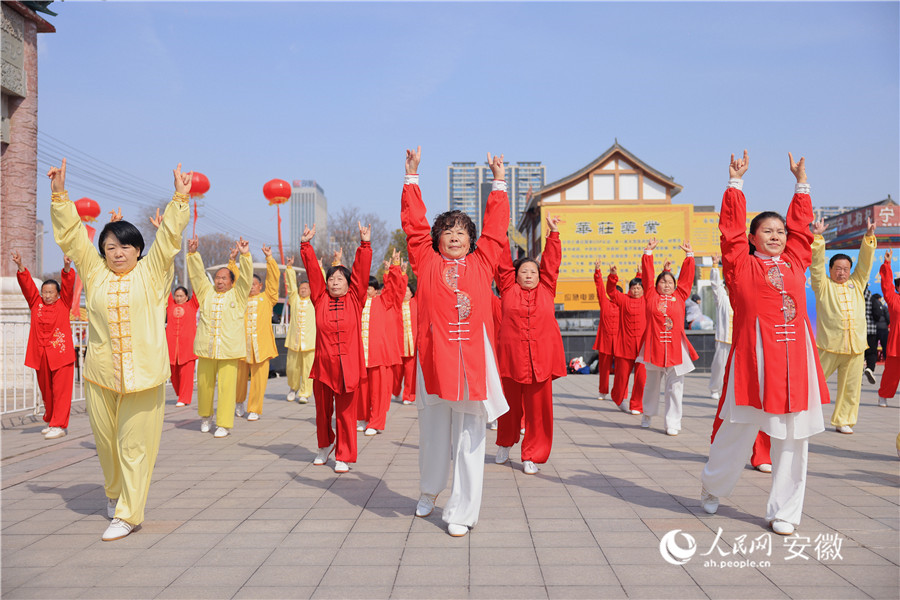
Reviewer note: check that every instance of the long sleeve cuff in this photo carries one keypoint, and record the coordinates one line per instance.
(689, 254)
(499, 185)
(411, 179)
(62, 196)
(648, 252)
(736, 183)
(801, 188)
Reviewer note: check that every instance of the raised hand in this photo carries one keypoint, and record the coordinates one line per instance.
(267, 250)
(289, 262)
(686, 246)
(798, 168)
(243, 245)
(651, 245)
(818, 227)
(67, 264)
(870, 229)
(667, 266)
(737, 168)
(157, 220)
(115, 215)
(412, 160)
(496, 164)
(598, 265)
(404, 266)
(57, 177)
(234, 252)
(365, 233)
(182, 180)
(193, 243)
(613, 270)
(888, 255)
(396, 257)
(553, 222)
(17, 258)
(338, 257)
(308, 233)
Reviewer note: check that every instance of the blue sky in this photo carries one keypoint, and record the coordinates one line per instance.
(246, 92)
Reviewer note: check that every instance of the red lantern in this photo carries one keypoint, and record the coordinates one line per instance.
(277, 191)
(87, 209)
(199, 185)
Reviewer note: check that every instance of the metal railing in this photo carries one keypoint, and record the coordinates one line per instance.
(20, 389)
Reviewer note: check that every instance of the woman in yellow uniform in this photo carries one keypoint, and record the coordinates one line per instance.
(301, 336)
(260, 340)
(127, 366)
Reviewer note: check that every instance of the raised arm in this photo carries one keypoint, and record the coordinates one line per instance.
(799, 217)
(68, 230)
(686, 275)
(505, 273)
(647, 274)
(394, 288)
(167, 243)
(866, 257)
(67, 285)
(552, 256)
(272, 274)
(196, 272)
(26, 283)
(733, 217)
(888, 291)
(290, 280)
(817, 272)
(413, 214)
(496, 215)
(245, 278)
(362, 265)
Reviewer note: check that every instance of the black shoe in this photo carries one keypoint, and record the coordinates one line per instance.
(869, 375)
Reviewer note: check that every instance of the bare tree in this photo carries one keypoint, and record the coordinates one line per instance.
(344, 230)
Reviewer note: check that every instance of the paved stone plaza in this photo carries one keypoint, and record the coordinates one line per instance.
(249, 516)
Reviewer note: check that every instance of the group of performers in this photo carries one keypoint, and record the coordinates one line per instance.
(474, 358)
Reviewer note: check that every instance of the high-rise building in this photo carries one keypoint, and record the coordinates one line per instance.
(465, 187)
(308, 206)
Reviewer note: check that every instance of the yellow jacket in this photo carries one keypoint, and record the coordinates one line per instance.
(126, 313)
(220, 330)
(841, 307)
(258, 318)
(301, 334)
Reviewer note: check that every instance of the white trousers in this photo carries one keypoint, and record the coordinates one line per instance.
(452, 438)
(717, 369)
(674, 390)
(729, 454)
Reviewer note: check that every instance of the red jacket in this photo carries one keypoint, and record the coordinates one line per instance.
(755, 287)
(181, 327)
(608, 329)
(632, 320)
(889, 293)
(454, 298)
(529, 345)
(665, 316)
(339, 362)
(51, 331)
(384, 348)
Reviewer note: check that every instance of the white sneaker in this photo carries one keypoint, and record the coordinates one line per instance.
(302, 399)
(54, 433)
(253, 417)
(715, 395)
(635, 412)
(764, 468)
(602, 396)
(323, 454)
(360, 425)
(221, 432)
(882, 402)
(457, 530)
(111, 504)
(624, 408)
(45, 430)
(782, 527)
(340, 466)
(370, 431)
(117, 530)
(671, 431)
(502, 455)
(645, 421)
(292, 395)
(870, 375)
(425, 505)
(180, 403)
(844, 429)
(522, 431)
(530, 468)
(407, 402)
(709, 502)
(239, 409)
(494, 425)
(204, 425)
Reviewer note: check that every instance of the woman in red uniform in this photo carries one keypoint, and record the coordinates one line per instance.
(50, 351)
(407, 322)
(627, 345)
(891, 375)
(459, 387)
(607, 331)
(529, 350)
(339, 366)
(667, 351)
(773, 381)
(181, 326)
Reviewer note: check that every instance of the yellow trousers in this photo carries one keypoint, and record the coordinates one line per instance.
(849, 368)
(259, 378)
(127, 429)
(221, 374)
(299, 364)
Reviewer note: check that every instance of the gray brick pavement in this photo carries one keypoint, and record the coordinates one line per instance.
(249, 516)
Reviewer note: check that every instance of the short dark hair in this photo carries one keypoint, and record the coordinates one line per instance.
(412, 287)
(302, 281)
(517, 264)
(258, 278)
(230, 272)
(183, 289)
(663, 274)
(52, 282)
(838, 257)
(373, 282)
(449, 220)
(619, 287)
(344, 271)
(634, 282)
(125, 232)
(758, 219)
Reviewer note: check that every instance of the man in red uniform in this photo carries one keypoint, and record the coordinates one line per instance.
(50, 351)
(607, 331)
(632, 323)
